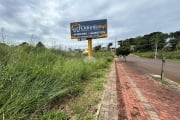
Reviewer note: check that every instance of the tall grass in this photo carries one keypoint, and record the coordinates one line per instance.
(32, 78)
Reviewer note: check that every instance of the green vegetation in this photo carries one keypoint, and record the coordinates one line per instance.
(162, 82)
(124, 51)
(148, 54)
(172, 55)
(33, 80)
(146, 42)
(167, 44)
(85, 106)
(54, 115)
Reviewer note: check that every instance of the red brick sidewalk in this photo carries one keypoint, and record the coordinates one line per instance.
(144, 98)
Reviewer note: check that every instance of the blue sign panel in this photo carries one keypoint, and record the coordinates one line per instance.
(89, 29)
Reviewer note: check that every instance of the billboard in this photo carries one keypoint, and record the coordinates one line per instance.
(89, 29)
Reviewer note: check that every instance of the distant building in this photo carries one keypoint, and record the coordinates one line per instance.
(85, 51)
(113, 47)
(104, 47)
(77, 50)
(132, 48)
(168, 45)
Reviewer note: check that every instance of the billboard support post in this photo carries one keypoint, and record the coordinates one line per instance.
(89, 47)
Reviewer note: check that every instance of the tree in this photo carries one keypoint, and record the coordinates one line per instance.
(177, 47)
(175, 40)
(109, 45)
(174, 34)
(97, 48)
(24, 44)
(124, 51)
(174, 43)
(40, 45)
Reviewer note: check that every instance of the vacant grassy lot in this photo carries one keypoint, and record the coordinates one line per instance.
(32, 80)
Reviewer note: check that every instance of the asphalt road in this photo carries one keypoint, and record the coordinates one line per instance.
(151, 66)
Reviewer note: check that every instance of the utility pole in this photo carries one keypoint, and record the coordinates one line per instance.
(156, 46)
(162, 68)
(115, 46)
(2, 34)
(31, 39)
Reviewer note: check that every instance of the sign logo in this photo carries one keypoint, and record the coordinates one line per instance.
(89, 29)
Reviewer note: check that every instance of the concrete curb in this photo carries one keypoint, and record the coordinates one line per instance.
(107, 109)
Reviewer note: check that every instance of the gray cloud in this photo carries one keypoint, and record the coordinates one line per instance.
(49, 21)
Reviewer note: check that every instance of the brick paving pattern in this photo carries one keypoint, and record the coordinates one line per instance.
(132, 95)
(134, 107)
(108, 109)
(164, 101)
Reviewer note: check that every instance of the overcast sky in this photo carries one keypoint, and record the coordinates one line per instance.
(49, 20)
